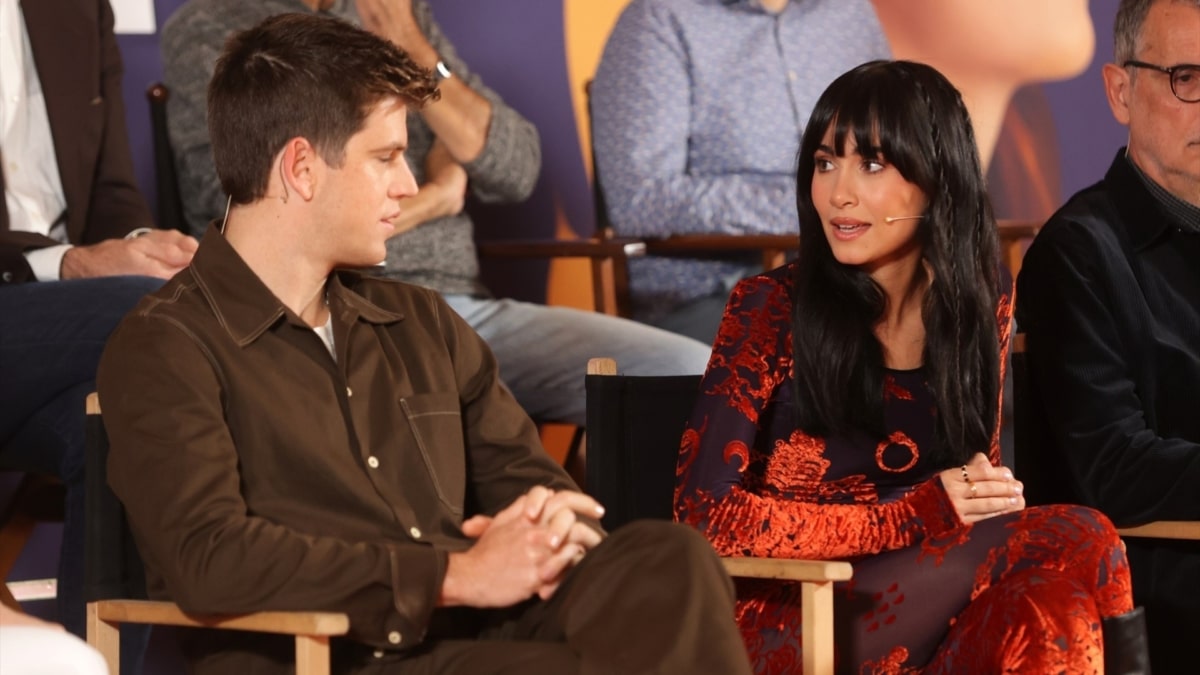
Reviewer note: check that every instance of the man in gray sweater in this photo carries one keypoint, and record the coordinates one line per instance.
(468, 140)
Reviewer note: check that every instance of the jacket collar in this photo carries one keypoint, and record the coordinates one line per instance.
(1142, 217)
(246, 308)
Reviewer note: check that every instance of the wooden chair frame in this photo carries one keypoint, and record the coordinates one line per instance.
(312, 630)
(609, 254)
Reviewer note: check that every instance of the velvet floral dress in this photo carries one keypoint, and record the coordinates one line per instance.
(1022, 592)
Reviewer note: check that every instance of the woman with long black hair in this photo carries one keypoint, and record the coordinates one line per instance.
(851, 409)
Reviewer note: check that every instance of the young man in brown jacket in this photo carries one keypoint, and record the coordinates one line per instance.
(285, 436)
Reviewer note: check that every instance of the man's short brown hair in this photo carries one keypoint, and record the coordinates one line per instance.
(300, 75)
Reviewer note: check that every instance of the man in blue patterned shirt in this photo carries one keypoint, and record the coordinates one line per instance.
(699, 106)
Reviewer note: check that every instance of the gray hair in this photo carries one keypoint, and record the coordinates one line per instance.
(1127, 29)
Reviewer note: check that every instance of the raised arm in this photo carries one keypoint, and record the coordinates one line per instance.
(722, 489)
(498, 147)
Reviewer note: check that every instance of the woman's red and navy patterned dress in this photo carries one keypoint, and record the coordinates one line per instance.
(1022, 592)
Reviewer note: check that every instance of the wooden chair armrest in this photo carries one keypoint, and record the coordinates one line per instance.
(549, 248)
(816, 579)
(790, 570)
(721, 243)
(169, 614)
(1018, 229)
(1164, 529)
(772, 248)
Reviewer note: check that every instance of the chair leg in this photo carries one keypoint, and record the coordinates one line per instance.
(312, 655)
(1126, 651)
(817, 629)
(105, 637)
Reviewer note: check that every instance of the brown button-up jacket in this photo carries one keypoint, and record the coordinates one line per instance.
(259, 473)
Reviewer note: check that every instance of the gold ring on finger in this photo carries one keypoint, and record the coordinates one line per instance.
(974, 490)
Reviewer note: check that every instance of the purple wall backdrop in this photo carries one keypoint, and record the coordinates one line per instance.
(1087, 133)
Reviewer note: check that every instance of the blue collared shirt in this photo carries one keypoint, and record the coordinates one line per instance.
(699, 106)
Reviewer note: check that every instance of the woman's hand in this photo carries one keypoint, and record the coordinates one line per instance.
(979, 490)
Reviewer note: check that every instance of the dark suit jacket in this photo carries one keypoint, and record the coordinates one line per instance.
(79, 66)
(1109, 297)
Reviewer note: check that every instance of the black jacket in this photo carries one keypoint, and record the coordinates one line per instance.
(1109, 298)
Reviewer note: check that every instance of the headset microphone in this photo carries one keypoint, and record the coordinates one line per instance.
(892, 219)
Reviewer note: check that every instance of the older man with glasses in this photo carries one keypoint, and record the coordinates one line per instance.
(1109, 296)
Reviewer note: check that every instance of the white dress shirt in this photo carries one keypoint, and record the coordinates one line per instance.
(33, 191)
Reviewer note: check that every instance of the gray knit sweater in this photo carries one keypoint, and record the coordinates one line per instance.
(439, 254)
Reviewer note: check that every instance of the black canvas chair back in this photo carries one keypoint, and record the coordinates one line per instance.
(634, 427)
(1039, 466)
(170, 203)
(114, 568)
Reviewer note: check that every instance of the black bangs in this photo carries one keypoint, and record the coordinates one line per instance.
(875, 107)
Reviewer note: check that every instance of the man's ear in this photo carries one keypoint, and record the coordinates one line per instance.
(1118, 85)
(299, 168)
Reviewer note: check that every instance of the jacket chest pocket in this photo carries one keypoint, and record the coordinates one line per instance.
(435, 421)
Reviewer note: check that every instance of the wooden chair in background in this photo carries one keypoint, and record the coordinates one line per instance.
(610, 252)
(635, 428)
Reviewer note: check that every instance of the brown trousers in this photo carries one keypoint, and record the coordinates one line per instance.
(652, 598)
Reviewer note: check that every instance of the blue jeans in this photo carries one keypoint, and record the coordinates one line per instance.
(543, 351)
(51, 338)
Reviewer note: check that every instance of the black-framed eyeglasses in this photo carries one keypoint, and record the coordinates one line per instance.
(1185, 78)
